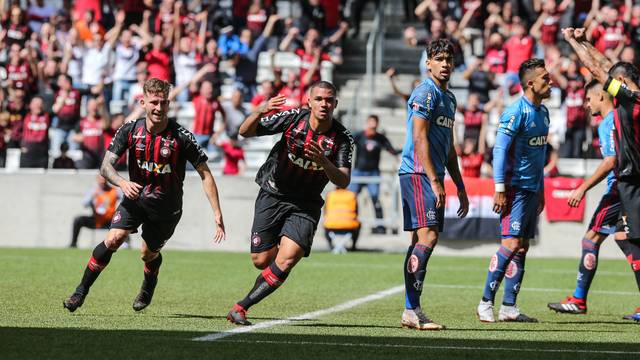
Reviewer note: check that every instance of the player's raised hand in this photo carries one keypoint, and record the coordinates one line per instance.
(130, 189)
(580, 34)
(438, 191)
(464, 203)
(220, 231)
(315, 152)
(568, 33)
(499, 202)
(275, 103)
(576, 197)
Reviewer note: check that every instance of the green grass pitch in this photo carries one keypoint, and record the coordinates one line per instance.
(196, 289)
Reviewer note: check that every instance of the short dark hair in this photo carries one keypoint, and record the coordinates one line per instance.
(374, 117)
(324, 85)
(528, 66)
(626, 69)
(592, 84)
(439, 46)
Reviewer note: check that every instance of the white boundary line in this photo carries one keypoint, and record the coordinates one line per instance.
(311, 315)
(442, 347)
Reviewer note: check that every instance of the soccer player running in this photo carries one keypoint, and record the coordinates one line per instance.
(604, 219)
(313, 150)
(621, 81)
(427, 151)
(518, 173)
(158, 152)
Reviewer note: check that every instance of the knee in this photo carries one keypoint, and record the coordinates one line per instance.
(286, 264)
(147, 256)
(114, 239)
(513, 245)
(260, 261)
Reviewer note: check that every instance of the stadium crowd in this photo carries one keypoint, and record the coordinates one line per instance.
(72, 75)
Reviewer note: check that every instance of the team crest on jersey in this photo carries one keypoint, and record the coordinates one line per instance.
(590, 261)
(326, 144)
(165, 151)
(256, 240)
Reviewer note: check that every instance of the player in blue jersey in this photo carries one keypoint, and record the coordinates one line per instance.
(518, 173)
(605, 218)
(427, 151)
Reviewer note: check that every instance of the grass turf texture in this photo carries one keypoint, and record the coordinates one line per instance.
(196, 289)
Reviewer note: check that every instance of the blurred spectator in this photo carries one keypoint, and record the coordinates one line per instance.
(63, 161)
(471, 156)
(72, 58)
(546, 27)
(21, 68)
(575, 135)
(265, 93)
(480, 80)
(184, 56)
(551, 162)
(519, 47)
(17, 32)
(67, 112)
(341, 219)
(38, 14)
(116, 121)
(369, 144)
(102, 199)
(206, 105)
(15, 112)
(357, 7)
(496, 55)
(391, 74)
(606, 30)
(235, 112)
(127, 54)
(311, 56)
(233, 155)
(293, 92)
(90, 134)
(475, 116)
(88, 25)
(136, 90)
(35, 140)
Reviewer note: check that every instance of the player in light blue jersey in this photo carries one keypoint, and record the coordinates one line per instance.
(518, 173)
(605, 219)
(427, 152)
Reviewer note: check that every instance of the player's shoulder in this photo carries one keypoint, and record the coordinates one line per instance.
(181, 132)
(515, 109)
(342, 130)
(424, 89)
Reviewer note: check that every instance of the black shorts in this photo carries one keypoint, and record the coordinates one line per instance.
(605, 218)
(155, 231)
(630, 214)
(275, 217)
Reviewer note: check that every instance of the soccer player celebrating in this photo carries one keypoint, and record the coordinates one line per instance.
(313, 150)
(518, 173)
(428, 150)
(158, 152)
(621, 81)
(604, 219)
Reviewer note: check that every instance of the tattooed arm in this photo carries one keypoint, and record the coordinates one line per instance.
(129, 188)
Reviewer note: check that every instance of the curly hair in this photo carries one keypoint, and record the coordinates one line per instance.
(156, 86)
(440, 46)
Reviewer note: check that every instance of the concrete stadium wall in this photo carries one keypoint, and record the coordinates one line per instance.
(37, 209)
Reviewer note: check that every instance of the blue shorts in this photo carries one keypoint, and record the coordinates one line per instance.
(419, 203)
(605, 218)
(520, 217)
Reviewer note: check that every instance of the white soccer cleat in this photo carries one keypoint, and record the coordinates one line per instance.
(416, 319)
(485, 312)
(512, 313)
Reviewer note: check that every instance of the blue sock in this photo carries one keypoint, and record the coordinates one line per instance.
(415, 269)
(515, 273)
(587, 269)
(497, 267)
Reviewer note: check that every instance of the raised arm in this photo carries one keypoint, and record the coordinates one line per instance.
(197, 77)
(391, 73)
(581, 48)
(202, 33)
(112, 35)
(249, 127)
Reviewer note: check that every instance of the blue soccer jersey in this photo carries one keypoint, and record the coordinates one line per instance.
(429, 103)
(606, 134)
(521, 142)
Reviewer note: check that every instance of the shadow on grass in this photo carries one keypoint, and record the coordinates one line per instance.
(52, 343)
(217, 317)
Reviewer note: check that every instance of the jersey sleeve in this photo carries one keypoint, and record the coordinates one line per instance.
(276, 123)
(620, 91)
(120, 142)
(510, 121)
(192, 151)
(607, 144)
(345, 151)
(423, 102)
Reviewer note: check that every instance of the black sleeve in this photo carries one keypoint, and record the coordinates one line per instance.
(120, 141)
(345, 151)
(386, 144)
(192, 151)
(620, 91)
(276, 123)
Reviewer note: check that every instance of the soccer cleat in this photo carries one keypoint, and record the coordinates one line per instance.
(416, 319)
(633, 317)
(513, 314)
(570, 305)
(238, 315)
(73, 302)
(143, 299)
(485, 312)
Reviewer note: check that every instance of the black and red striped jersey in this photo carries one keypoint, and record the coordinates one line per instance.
(627, 129)
(158, 162)
(287, 172)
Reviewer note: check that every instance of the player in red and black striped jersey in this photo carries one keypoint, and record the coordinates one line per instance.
(313, 150)
(158, 152)
(622, 82)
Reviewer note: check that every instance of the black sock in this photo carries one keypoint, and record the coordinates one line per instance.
(151, 270)
(267, 282)
(631, 250)
(99, 260)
